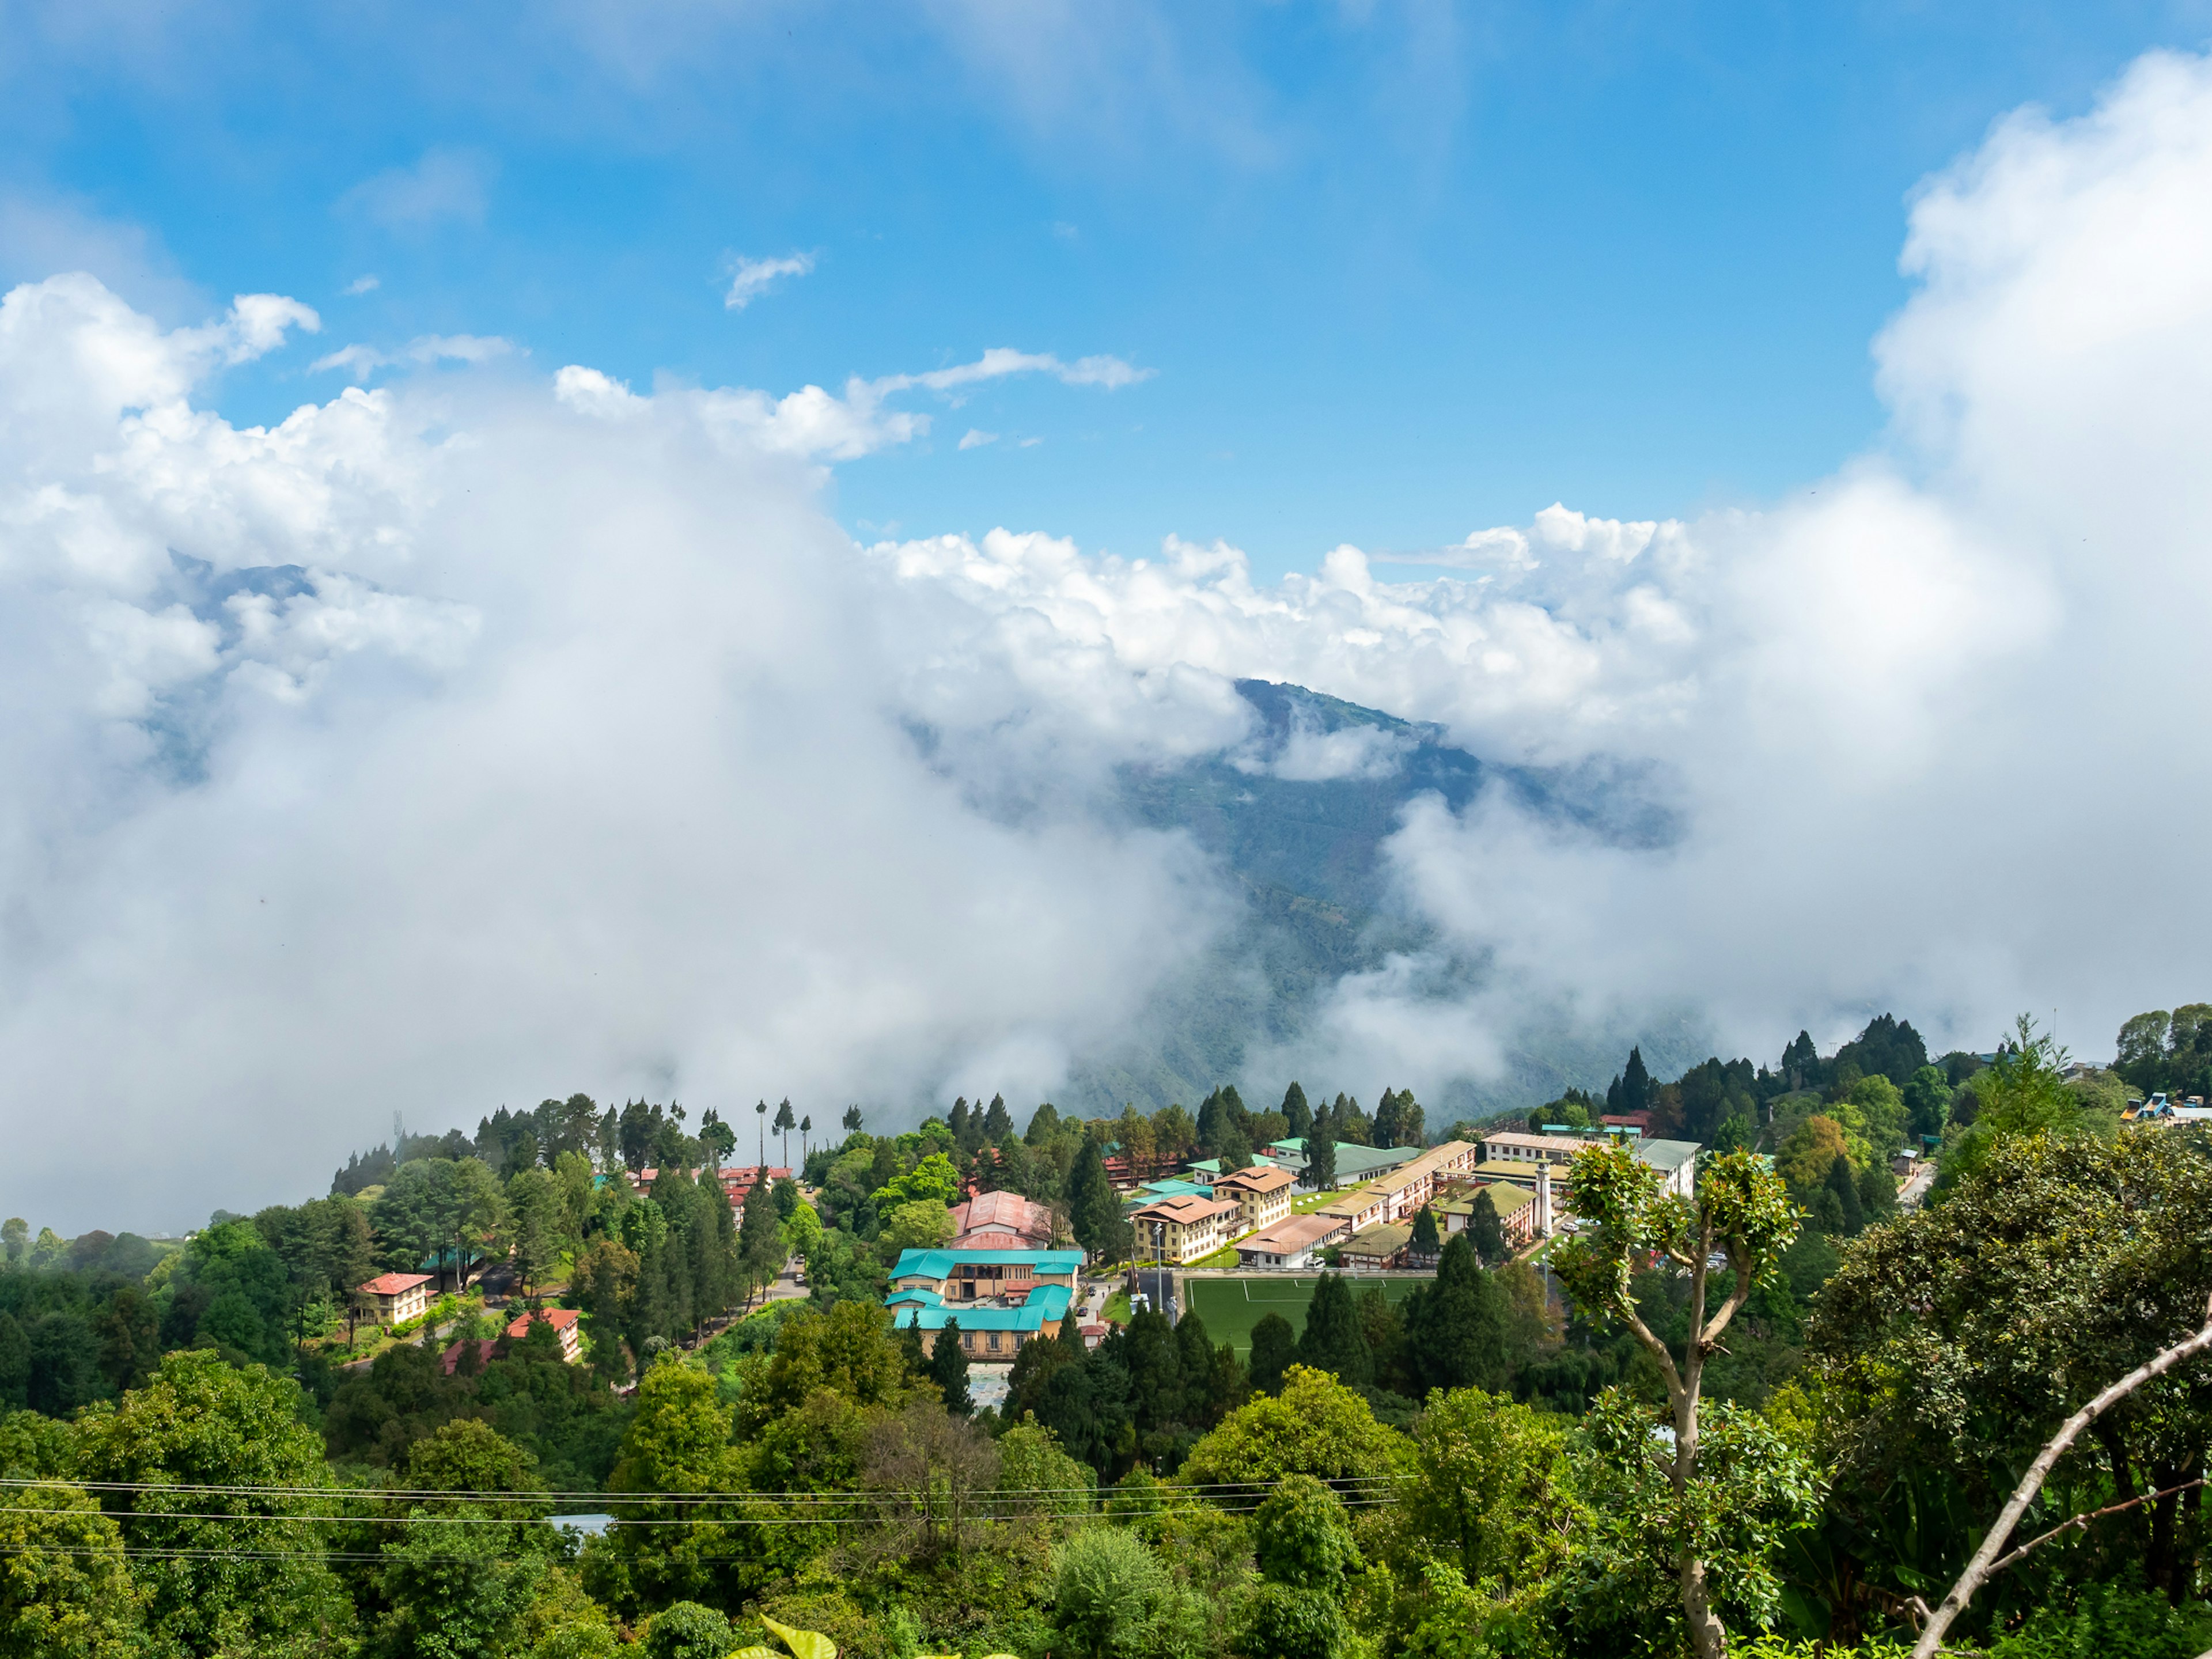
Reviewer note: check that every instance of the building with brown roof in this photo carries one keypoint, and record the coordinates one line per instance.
(1291, 1245)
(1181, 1230)
(1008, 1219)
(1261, 1193)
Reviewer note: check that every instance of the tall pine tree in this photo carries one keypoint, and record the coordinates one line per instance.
(1091, 1204)
(948, 1368)
(1484, 1232)
(1298, 1113)
(1333, 1339)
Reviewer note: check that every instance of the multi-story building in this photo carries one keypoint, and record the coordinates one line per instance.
(956, 1275)
(992, 1332)
(1676, 1159)
(1181, 1230)
(564, 1321)
(397, 1298)
(1261, 1193)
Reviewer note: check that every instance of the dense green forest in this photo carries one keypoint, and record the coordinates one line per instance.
(213, 1448)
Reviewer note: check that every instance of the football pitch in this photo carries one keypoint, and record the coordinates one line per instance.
(1232, 1307)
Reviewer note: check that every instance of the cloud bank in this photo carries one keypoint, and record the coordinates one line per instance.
(476, 737)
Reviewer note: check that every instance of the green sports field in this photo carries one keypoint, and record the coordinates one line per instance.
(1232, 1307)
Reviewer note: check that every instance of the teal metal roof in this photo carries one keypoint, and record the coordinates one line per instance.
(1051, 1299)
(1031, 1320)
(926, 1299)
(1153, 1191)
(942, 1264)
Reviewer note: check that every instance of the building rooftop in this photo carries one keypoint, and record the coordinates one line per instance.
(393, 1283)
(1184, 1212)
(942, 1263)
(1386, 1240)
(559, 1318)
(1351, 1160)
(1293, 1234)
(1257, 1178)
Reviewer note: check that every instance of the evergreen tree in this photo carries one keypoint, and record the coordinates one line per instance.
(1212, 1124)
(1235, 1152)
(948, 1368)
(784, 1124)
(1800, 1063)
(997, 1123)
(1044, 1124)
(760, 1240)
(956, 1121)
(1845, 1187)
(1386, 1119)
(1321, 1153)
(1412, 1121)
(1297, 1113)
(1092, 1207)
(911, 1352)
(1456, 1328)
(1233, 1105)
(852, 1120)
(760, 1112)
(1485, 1232)
(1333, 1341)
(1635, 1084)
(1351, 1124)
(1274, 1350)
(1425, 1228)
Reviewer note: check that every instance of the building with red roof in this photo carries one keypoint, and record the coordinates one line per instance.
(566, 1330)
(397, 1298)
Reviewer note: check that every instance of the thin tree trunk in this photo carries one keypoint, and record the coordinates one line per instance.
(1977, 1571)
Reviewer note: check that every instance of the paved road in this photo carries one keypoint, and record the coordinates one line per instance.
(1916, 1188)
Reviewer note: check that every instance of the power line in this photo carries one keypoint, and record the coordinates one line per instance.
(374, 1494)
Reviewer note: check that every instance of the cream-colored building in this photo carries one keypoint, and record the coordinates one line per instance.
(1181, 1230)
(397, 1298)
(1262, 1194)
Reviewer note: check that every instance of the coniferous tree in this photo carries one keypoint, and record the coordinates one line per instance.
(911, 1351)
(1092, 1206)
(760, 1111)
(1298, 1112)
(1321, 1153)
(1456, 1328)
(1842, 1184)
(1352, 1125)
(1274, 1350)
(1635, 1084)
(760, 1240)
(784, 1124)
(852, 1120)
(1235, 1151)
(805, 1128)
(997, 1123)
(1212, 1124)
(1424, 1228)
(1333, 1341)
(948, 1368)
(1485, 1232)
(1412, 1123)
(1386, 1120)
(957, 1121)
(1044, 1124)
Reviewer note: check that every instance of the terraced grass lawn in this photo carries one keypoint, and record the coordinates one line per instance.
(1232, 1307)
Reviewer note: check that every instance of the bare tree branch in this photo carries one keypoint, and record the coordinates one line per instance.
(1978, 1570)
(2083, 1520)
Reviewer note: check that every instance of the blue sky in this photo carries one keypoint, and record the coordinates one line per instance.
(1401, 270)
